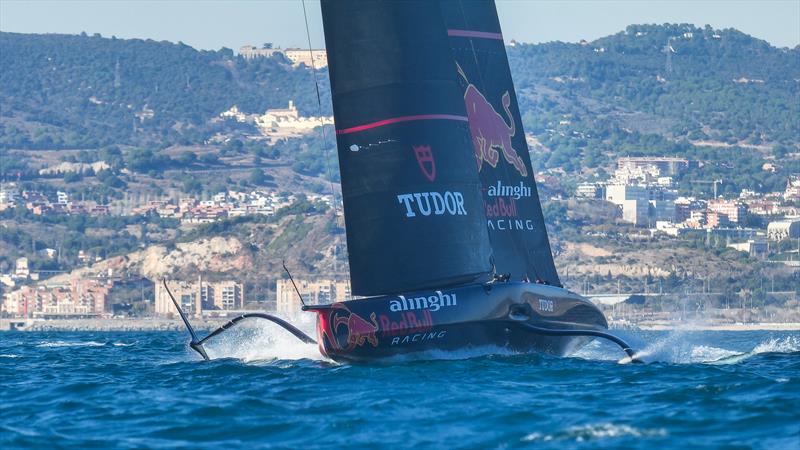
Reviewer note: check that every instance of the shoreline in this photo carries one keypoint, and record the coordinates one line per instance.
(149, 324)
(159, 324)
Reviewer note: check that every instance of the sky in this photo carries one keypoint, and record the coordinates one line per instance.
(212, 24)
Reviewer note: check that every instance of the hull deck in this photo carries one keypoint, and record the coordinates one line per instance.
(496, 315)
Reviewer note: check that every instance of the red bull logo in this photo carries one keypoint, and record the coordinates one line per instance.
(425, 160)
(489, 130)
(346, 330)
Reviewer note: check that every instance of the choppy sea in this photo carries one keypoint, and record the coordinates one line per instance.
(263, 390)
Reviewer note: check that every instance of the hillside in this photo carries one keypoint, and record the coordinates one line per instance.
(123, 122)
(700, 83)
(681, 80)
(717, 96)
(65, 91)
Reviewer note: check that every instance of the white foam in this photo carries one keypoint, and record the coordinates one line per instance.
(704, 353)
(10, 356)
(678, 349)
(260, 341)
(584, 433)
(683, 345)
(71, 344)
(789, 344)
(598, 350)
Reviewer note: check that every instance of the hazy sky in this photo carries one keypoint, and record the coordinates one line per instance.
(211, 24)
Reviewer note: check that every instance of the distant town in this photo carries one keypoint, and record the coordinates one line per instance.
(641, 188)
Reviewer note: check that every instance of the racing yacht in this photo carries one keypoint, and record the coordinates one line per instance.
(447, 243)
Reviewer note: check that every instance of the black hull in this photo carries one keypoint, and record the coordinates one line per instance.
(499, 315)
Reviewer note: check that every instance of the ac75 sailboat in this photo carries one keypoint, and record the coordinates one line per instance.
(445, 232)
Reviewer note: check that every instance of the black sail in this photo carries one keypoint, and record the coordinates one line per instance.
(412, 197)
(514, 214)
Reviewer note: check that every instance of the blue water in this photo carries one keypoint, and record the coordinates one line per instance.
(148, 390)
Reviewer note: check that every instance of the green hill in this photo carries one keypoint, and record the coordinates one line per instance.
(718, 96)
(64, 91)
(699, 83)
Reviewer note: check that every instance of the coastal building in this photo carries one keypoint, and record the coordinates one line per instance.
(646, 174)
(756, 248)
(783, 229)
(288, 120)
(763, 207)
(665, 165)
(252, 52)
(716, 220)
(662, 210)
(80, 298)
(684, 207)
(633, 200)
(316, 58)
(589, 190)
(22, 268)
(278, 123)
(734, 210)
(9, 194)
(313, 292)
(200, 297)
(792, 191)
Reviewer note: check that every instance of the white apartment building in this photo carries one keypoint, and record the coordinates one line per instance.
(313, 292)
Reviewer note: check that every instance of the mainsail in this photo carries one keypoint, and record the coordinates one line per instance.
(513, 212)
(412, 197)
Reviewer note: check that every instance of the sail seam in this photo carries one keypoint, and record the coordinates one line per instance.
(393, 120)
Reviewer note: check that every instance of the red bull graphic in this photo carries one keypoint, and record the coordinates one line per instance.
(346, 330)
(489, 130)
(408, 322)
(426, 162)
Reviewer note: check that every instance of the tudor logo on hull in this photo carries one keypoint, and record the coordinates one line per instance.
(430, 302)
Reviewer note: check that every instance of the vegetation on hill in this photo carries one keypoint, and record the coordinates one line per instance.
(147, 109)
(704, 83)
(65, 91)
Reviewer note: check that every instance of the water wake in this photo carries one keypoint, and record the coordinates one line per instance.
(680, 347)
(585, 433)
(56, 344)
(260, 341)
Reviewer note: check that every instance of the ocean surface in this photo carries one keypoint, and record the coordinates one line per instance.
(264, 390)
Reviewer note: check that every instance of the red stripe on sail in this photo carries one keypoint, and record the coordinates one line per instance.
(475, 34)
(381, 123)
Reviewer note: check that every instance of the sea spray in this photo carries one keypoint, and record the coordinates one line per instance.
(259, 340)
